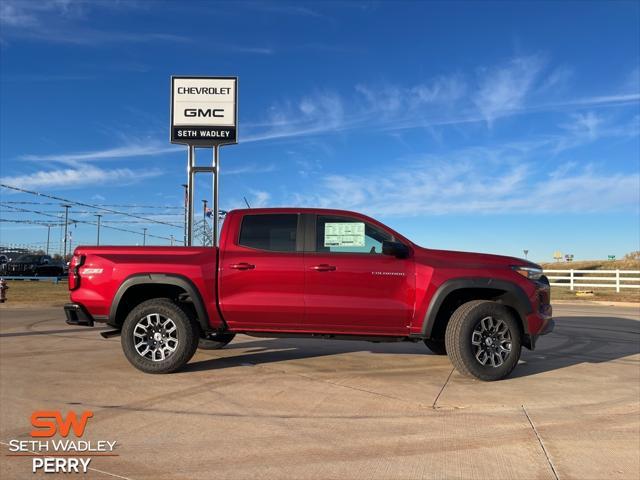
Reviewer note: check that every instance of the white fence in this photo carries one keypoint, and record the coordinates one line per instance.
(594, 278)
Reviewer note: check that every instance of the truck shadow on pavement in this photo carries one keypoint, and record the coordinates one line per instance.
(575, 340)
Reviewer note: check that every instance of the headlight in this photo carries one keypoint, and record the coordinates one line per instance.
(532, 273)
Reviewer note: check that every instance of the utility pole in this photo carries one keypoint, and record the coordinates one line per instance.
(48, 235)
(172, 240)
(144, 236)
(66, 227)
(204, 223)
(216, 189)
(186, 201)
(98, 237)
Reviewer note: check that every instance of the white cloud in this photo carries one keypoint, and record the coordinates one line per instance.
(259, 198)
(556, 80)
(250, 168)
(63, 21)
(518, 87)
(632, 83)
(79, 177)
(141, 149)
(503, 89)
(585, 124)
(24, 13)
(313, 114)
(246, 49)
(441, 89)
(393, 99)
(469, 181)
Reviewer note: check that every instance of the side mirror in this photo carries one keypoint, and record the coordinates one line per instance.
(396, 249)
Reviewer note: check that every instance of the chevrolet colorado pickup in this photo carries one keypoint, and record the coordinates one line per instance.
(329, 274)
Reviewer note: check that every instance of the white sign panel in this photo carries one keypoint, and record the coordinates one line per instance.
(204, 110)
(344, 234)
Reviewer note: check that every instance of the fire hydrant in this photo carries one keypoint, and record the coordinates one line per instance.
(3, 290)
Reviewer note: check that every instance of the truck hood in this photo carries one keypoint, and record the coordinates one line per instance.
(453, 259)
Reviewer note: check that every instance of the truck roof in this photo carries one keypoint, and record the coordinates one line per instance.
(326, 211)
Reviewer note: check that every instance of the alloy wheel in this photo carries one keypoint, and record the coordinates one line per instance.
(491, 339)
(155, 337)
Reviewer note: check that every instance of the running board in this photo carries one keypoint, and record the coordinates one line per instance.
(330, 336)
(110, 333)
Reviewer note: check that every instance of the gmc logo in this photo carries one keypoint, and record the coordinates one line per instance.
(209, 112)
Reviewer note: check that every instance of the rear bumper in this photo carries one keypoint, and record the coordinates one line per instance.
(77, 315)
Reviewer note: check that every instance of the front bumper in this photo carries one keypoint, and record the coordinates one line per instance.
(548, 328)
(78, 315)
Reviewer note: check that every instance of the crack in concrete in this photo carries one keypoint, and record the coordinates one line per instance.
(446, 382)
(546, 454)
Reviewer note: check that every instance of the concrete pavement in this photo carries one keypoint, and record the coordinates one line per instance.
(317, 409)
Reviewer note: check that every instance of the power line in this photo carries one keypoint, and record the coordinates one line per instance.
(71, 220)
(33, 222)
(154, 207)
(80, 212)
(53, 197)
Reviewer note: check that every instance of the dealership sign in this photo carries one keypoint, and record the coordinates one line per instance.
(204, 110)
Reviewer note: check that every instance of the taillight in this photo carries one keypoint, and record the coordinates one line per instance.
(74, 276)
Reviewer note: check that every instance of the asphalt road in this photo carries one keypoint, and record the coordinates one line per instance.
(317, 409)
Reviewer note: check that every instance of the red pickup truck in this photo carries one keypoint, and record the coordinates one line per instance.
(330, 274)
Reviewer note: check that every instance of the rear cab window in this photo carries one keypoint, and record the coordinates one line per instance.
(270, 232)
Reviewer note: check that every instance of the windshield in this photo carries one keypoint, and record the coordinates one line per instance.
(28, 259)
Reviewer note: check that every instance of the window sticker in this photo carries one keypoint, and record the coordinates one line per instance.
(344, 234)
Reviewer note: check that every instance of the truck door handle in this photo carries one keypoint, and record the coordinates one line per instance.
(242, 266)
(323, 267)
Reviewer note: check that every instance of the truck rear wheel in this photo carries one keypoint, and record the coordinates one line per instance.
(215, 341)
(159, 337)
(483, 340)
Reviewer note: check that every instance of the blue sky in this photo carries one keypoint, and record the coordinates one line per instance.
(494, 127)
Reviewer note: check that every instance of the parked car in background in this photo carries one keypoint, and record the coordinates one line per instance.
(34, 266)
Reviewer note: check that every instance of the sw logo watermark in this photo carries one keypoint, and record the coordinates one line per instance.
(50, 422)
(61, 454)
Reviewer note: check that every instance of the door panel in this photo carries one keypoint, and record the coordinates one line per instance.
(361, 294)
(350, 291)
(262, 289)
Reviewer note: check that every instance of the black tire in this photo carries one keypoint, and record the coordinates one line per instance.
(468, 322)
(437, 347)
(187, 332)
(215, 341)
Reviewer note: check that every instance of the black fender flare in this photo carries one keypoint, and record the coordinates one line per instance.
(514, 297)
(162, 279)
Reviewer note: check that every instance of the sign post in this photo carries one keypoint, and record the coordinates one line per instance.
(204, 113)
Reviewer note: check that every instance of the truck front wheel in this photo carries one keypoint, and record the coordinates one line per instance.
(483, 340)
(159, 337)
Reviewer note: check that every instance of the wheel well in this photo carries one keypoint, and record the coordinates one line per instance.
(136, 294)
(464, 295)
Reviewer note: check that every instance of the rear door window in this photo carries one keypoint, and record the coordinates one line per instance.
(273, 232)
